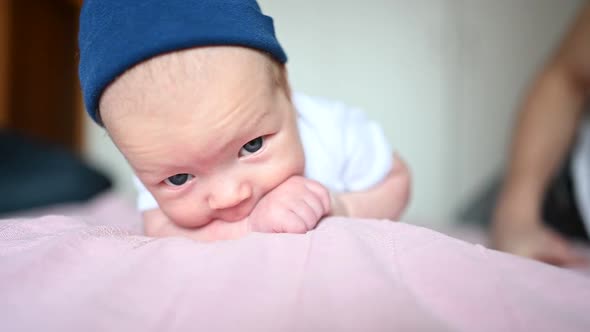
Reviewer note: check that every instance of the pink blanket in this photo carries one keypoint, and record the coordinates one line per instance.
(78, 274)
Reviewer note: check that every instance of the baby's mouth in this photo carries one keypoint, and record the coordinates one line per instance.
(238, 212)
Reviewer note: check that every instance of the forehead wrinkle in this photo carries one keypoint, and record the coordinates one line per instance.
(169, 71)
(230, 130)
(153, 76)
(163, 154)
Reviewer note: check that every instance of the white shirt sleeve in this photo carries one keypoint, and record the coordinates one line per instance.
(145, 200)
(344, 150)
(368, 158)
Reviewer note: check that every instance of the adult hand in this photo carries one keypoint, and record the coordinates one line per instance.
(536, 241)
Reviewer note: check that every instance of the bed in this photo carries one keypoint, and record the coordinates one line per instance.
(87, 267)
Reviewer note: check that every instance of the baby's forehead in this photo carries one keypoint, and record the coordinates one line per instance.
(202, 64)
(199, 71)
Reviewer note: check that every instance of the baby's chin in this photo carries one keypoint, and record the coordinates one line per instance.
(186, 219)
(229, 216)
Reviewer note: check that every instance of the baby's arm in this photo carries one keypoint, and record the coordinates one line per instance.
(387, 199)
(157, 224)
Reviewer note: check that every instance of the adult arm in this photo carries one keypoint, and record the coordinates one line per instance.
(544, 133)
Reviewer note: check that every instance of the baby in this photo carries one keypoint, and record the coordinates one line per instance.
(195, 95)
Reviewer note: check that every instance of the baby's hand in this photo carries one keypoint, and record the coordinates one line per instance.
(295, 206)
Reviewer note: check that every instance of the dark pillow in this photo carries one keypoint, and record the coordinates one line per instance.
(35, 174)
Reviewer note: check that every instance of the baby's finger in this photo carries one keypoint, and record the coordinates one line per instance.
(322, 193)
(292, 224)
(314, 202)
(306, 215)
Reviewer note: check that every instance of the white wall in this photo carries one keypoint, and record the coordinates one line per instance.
(442, 76)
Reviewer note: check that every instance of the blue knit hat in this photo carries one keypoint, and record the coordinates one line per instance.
(118, 34)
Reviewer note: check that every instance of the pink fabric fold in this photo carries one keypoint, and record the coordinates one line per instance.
(75, 274)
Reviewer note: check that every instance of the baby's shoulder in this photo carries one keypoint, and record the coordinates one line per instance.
(324, 111)
(338, 140)
(331, 118)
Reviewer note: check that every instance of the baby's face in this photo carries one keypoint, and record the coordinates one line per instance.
(209, 131)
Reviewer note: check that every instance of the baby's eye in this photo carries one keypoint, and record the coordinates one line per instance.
(178, 179)
(252, 146)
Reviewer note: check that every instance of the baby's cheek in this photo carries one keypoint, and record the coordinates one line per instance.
(185, 215)
(293, 165)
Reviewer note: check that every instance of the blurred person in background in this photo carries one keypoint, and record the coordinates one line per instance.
(544, 203)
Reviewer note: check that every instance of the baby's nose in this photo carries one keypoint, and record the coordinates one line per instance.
(228, 195)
